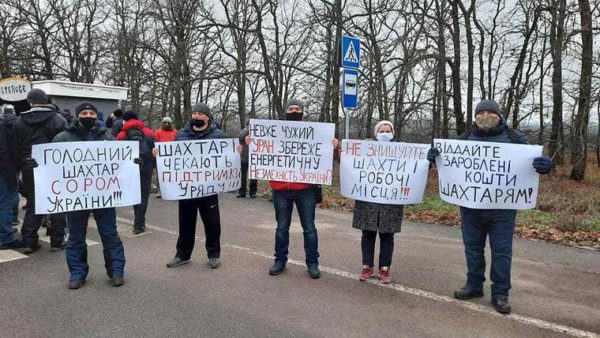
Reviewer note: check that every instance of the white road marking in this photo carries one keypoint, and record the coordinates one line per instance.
(10, 255)
(542, 324)
(88, 241)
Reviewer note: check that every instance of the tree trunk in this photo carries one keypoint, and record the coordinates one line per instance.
(556, 45)
(580, 127)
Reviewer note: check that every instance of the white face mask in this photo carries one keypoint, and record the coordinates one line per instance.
(384, 137)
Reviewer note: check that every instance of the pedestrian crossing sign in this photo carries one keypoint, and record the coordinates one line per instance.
(350, 52)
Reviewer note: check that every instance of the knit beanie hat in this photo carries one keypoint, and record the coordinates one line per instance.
(37, 96)
(381, 123)
(85, 106)
(295, 102)
(202, 108)
(167, 119)
(130, 115)
(488, 105)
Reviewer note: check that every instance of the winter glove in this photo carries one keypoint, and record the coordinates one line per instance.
(432, 154)
(138, 161)
(542, 164)
(29, 163)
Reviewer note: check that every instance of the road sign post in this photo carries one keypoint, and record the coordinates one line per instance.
(350, 56)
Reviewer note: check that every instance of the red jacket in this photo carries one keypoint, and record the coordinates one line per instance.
(165, 135)
(131, 124)
(278, 185)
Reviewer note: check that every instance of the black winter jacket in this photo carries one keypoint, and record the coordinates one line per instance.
(76, 133)
(36, 126)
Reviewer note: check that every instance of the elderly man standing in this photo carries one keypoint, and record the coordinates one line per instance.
(498, 224)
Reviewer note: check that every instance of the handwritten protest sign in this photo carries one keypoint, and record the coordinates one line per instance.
(291, 151)
(75, 176)
(192, 169)
(487, 175)
(383, 172)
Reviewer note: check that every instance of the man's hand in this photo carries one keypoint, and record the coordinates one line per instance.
(240, 149)
(542, 164)
(248, 139)
(154, 152)
(138, 161)
(335, 143)
(30, 163)
(432, 154)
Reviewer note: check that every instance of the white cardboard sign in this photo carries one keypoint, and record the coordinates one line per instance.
(74, 176)
(291, 151)
(193, 169)
(487, 175)
(384, 172)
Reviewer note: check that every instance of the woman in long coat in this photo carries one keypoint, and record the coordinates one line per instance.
(373, 218)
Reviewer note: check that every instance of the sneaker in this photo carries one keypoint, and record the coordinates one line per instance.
(158, 195)
(29, 249)
(137, 231)
(56, 248)
(277, 268)
(117, 281)
(16, 244)
(75, 284)
(16, 223)
(313, 271)
(252, 195)
(366, 273)
(384, 275)
(468, 292)
(214, 262)
(175, 262)
(241, 196)
(501, 305)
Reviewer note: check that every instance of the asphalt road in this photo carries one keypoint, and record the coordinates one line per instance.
(556, 289)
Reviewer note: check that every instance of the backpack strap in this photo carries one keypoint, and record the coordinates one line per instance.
(465, 135)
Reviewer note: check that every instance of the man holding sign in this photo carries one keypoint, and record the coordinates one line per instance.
(86, 128)
(480, 222)
(200, 127)
(293, 157)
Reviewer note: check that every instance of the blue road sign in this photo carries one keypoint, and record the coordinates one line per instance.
(350, 52)
(350, 89)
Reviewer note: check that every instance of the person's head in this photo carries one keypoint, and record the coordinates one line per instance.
(384, 131)
(167, 123)
(37, 97)
(117, 114)
(130, 115)
(294, 110)
(487, 114)
(201, 116)
(87, 115)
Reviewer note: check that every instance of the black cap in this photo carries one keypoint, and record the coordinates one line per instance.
(85, 106)
(130, 115)
(37, 96)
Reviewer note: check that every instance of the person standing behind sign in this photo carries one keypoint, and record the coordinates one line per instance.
(253, 183)
(306, 197)
(135, 130)
(38, 125)
(85, 127)
(498, 224)
(200, 127)
(373, 218)
(166, 133)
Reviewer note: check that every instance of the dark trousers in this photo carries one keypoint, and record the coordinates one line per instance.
(33, 222)
(114, 253)
(499, 225)
(208, 207)
(386, 248)
(139, 210)
(283, 201)
(253, 183)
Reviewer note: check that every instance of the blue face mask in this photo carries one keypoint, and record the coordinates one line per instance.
(384, 137)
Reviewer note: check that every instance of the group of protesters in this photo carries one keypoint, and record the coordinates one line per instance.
(44, 124)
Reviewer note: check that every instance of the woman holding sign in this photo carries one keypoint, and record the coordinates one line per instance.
(374, 218)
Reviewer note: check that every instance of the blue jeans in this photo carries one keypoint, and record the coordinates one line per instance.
(114, 254)
(8, 190)
(500, 226)
(305, 204)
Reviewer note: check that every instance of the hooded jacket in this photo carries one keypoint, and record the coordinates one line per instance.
(36, 126)
(135, 124)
